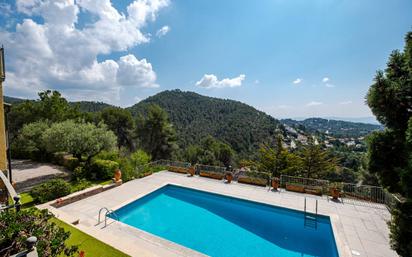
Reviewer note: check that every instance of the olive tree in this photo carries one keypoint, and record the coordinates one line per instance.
(78, 138)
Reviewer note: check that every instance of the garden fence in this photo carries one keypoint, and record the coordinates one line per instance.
(304, 181)
(210, 168)
(369, 193)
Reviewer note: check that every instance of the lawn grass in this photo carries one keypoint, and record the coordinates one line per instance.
(26, 200)
(90, 245)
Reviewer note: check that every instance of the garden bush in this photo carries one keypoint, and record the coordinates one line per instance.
(70, 162)
(79, 173)
(139, 157)
(16, 227)
(103, 169)
(127, 168)
(80, 185)
(108, 155)
(50, 190)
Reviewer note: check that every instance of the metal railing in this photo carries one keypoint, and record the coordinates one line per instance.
(369, 193)
(303, 181)
(257, 174)
(108, 212)
(172, 163)
(210, 168)
(365, 193)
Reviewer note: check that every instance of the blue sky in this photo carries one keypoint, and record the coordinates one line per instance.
(287, 58)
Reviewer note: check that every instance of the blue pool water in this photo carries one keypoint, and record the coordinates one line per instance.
(222, 226)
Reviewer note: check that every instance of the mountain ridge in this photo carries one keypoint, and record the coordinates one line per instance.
(234, 122)
(365, 120)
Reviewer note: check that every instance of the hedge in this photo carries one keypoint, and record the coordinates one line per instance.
(50, 190)
(103, 169)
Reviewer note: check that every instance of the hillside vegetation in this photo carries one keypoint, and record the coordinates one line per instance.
(195, 117)
(90, 106)
(337, 128)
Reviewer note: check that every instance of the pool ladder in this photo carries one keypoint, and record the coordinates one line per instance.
(311, 219)
(108, 212)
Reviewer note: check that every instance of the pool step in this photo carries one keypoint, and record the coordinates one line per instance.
(311, 219)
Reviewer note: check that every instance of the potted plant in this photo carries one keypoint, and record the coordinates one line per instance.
(275, 183)
(191, 171)
(117, 175)
(335, 191)
(228, 177)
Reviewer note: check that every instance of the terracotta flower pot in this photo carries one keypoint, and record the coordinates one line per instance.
(117, 175)
(275, 183)
(191, 171)
(229, 177)
(335, 193)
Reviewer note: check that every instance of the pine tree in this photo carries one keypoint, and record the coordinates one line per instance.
(390, 151)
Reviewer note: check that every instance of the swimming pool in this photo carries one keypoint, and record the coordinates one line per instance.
(222, 226)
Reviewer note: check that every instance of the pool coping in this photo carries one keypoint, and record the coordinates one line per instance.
(132, 200)
(342, 248)
(137, 189)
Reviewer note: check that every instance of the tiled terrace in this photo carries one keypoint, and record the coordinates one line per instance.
(359, 229)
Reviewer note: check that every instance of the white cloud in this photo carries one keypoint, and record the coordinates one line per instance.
(345, 102)
(326, 82)
(297, 81)
(163, 31)
(211, 81)
(314, 103)
(56, 54)
(134, 72)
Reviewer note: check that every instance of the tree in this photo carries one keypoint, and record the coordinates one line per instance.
(390, 151)
(80, 139)
(210, 152)
(29, 139)
(120, 121)
(156, 134)
(274, 159)
(50, 106)
(316, 161)
(20, 114)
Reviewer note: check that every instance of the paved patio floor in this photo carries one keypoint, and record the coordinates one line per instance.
(359, 229)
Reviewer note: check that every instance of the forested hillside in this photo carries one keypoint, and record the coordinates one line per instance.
(89, 106)
(12, 100)
(195, 117)
(337, 128)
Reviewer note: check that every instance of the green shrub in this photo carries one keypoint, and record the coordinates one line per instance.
(70, 162)
(58, 158)
(50, 190)
(127, 168)
(80, 185)
(139, 158)
(79, 173)
(103, 169)
(108, 155)
(15, 227)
